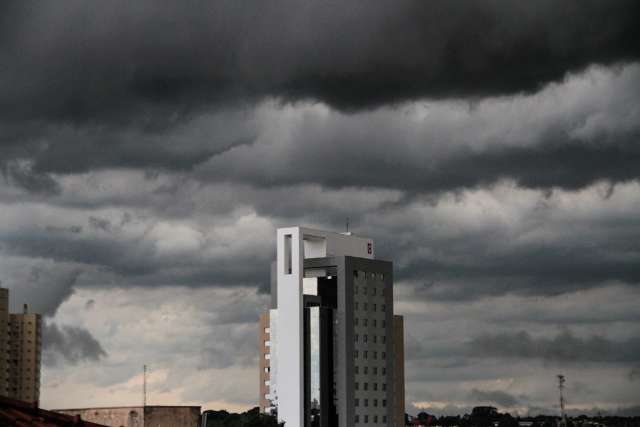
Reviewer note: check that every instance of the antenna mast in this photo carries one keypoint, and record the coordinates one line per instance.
(561, 381)
(144, 386)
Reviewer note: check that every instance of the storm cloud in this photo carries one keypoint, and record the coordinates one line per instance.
(84, 62)
(564, 347)
(71, 343)
(148, 152)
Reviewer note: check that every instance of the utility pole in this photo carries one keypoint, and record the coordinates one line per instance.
(561, 381)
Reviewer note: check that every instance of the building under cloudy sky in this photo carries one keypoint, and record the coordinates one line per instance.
(149, 152)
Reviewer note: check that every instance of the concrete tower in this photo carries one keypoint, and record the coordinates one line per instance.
(332, 333)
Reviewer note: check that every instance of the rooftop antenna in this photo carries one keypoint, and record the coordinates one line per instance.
(347, 224)
(561, 381)
(144, 386)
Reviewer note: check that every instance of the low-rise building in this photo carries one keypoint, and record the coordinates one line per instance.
(139, 416)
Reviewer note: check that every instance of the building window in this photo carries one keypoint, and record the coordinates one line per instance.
(374, 322)
(355, 305)
(375, 387)
(364, 306)
(356, 369)
(355, 354)
(384, 418)
(365, 387)
(365, 322)
(356, 402)
(383, 307)
(366, 403)
(384, 355)
(384, 403)
(366, 370)
(375, 419)
(365, 353)
(356, 386)
(357, 418)
(384, 386)
(375, 339)
(288, 264)
(375, 355)
(375, 370)
(364, 338)
(374, 307)
(373, 291)
(366, 419)
(355, 338)
(364, 290)
(355, 321)
(384, 371)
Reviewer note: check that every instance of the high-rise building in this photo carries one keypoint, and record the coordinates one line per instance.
(4, 341)
(25, 352)
(333, 344)
(264, 365)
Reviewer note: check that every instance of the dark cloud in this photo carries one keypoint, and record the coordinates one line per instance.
(69, 60)
(21, 174)
(563, 348)
(100, 224)
(71, 343)
(42, 284)
(497, 397)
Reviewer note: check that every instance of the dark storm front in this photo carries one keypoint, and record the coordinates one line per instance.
(348, 342)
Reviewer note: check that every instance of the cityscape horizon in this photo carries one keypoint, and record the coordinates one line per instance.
(478, 160)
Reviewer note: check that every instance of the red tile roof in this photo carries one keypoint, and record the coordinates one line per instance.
(15, 413)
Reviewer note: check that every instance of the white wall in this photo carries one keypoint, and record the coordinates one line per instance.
(305, 243)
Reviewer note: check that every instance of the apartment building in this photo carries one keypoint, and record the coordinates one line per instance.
(20, 352)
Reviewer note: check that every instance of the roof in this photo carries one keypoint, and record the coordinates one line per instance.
(16, 413)
(99, 408)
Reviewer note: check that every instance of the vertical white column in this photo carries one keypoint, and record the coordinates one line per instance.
(290, 361)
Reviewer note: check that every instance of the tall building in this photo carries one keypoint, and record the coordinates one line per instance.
(398, 359)
(25, 351)
(4, 341)
(334, 346)
(264, 365)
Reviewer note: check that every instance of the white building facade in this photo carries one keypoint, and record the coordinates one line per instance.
(332, 342)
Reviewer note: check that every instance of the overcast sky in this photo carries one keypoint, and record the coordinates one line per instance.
(149, 150)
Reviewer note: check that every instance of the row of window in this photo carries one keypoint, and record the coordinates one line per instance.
(369, 290)
(374, 370)
(374, 354)
(374, 338)
(365, 322)
(365, 419)
(365, 307)
(374, 402)
(365, 386)
(363, 276)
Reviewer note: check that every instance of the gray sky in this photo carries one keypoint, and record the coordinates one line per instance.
(149, 151)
